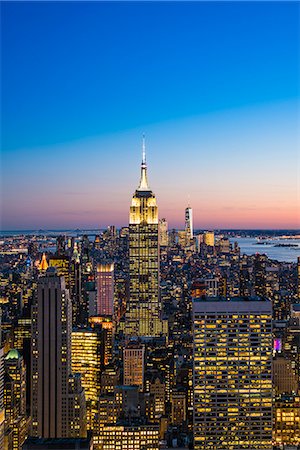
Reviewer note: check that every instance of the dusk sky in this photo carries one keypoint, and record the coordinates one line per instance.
(214, 87)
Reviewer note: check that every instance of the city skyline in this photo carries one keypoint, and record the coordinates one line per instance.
(218, 102)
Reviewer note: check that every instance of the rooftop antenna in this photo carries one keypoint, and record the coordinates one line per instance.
(189, 201)
(144, 151)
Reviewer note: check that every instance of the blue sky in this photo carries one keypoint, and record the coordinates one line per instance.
(213, 85)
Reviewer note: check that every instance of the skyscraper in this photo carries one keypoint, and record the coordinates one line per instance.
(143, 309)
(189, 223)
(15, 399)
(87, 359)
(232, 374)
(260, 274)
(51, 359)
(163, 233)
(134, 355)
(105, 289)
(209, 238)
(2, 412)
(298, 277)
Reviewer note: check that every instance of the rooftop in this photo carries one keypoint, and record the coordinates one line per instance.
(230, 299)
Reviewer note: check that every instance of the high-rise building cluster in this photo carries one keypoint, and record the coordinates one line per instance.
(147, 337)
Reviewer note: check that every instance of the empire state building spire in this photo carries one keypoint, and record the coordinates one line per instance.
(143, 308)
(144, 181)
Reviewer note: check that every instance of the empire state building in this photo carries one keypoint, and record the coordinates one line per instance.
(143, 311)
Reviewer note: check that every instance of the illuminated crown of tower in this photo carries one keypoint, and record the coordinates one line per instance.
(43, 263)
(143, 186)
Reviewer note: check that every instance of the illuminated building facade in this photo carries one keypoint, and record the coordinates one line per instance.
(287, 420)
(110, 377)
(209, 238)
(76, 407)
(189, 223)
(22, 332)
(2, 412)
(178, 411)
(284, 376)
(105, 289)
(51, 358)
(16, 421)
(133, 363)
(87, 359)
(128, 437)
(182, 239)
(61, 264)
(107, 325)
(143, 312)
(298, 277)
(212, 287)
(16, 378)
(260, 275)
(163, 233)
(43, 264)
(232, 374)
(157, 389)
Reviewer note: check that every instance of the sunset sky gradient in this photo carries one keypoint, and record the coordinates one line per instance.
(214, 87)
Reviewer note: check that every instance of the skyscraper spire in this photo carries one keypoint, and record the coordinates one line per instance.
(144, 151)
(144, 181)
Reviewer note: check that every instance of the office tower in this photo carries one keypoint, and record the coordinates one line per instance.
(110, 377)
(212, 287)
(105, 289)
(61, 264)
(2, 412)
(15, 398)
(70, 269)
(87, 359)
(76, 407)
(78, 309)
(107, 413)
(182, 238)
(22, 343)
(284, 376)
(232, 373)
(286, 433)
(291, 341)
(157, 390)
(223, 245)
(178, 408)
(172, 238)
(16, 371)
(246, 285)
(163, 233)
(133, 363)
(61, 245)
(127, 399)
(51, 358)
(189, 223)
(209, 238)
(85, 248)
(128, 437)
(298, 277)
(260, 273)
(143, 308)
(107, 325)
